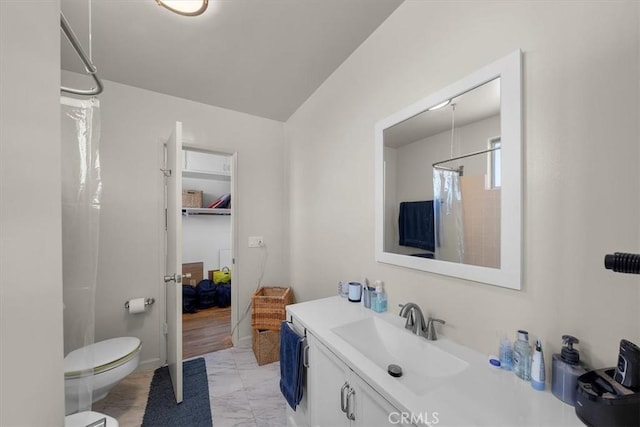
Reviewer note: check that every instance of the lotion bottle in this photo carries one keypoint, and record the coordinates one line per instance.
(537, 367)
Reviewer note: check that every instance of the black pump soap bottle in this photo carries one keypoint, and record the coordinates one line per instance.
(565, 370)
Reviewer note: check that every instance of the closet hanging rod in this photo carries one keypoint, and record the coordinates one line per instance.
(88, 65)
(466, 155)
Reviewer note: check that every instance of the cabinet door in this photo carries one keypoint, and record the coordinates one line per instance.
(327, 376)
(371, 409)
(207, 162)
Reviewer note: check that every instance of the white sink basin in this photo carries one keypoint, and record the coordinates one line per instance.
(423, 364)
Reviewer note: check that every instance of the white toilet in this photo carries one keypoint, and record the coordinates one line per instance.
(110, 361)
(90, 418)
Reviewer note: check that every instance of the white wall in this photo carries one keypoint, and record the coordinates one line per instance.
(135, 122)
(581, 151)
(203, 236)
(31, 372)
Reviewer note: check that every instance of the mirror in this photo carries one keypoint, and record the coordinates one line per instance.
(448, 179)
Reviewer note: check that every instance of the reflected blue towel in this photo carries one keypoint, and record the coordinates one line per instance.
(291, 365)
(415, 223)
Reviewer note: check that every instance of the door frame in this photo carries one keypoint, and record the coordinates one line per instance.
(235, 280)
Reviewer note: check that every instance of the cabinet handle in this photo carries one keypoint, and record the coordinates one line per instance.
(305, 356)
(351, 413)
(343, 400)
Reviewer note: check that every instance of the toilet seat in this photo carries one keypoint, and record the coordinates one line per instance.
(100, 357)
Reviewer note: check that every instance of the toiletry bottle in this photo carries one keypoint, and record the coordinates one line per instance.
(537, 367)
(522, 356)
(506, 354)
(565, 370)
(366, 294)
(374, 296)
(380, 298)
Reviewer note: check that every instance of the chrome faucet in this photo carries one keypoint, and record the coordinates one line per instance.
(416, 323)
(415, 319)
(431, 329)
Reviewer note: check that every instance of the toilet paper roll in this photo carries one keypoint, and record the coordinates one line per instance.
(136, 306)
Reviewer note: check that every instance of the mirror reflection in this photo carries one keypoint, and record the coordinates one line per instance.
(443, 181)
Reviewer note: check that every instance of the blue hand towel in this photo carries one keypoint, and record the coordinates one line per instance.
(291, 365)
(415, 223)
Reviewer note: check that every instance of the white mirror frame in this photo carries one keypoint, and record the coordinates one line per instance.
(509, 69)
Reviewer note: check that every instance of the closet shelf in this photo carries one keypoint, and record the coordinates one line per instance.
(205, 211)
(221, 176)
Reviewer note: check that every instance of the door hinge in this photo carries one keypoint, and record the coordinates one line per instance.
(165, 329)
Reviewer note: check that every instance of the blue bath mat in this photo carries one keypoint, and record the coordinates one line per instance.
(195, 409)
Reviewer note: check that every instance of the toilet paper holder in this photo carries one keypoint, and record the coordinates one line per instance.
(147, 301)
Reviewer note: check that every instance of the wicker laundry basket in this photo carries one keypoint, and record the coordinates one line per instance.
(268, 307)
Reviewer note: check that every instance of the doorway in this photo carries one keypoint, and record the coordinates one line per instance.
(207, 237)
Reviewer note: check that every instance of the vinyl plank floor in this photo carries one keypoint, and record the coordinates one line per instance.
(206, 331)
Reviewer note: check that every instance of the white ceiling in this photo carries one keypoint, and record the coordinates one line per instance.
(262, 57)
(477, 104)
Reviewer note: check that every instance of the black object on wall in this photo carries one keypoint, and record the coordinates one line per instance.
(622, 262)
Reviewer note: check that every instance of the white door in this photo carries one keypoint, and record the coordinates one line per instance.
(173, 272)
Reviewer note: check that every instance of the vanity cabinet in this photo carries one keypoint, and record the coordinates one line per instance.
(444, 383)
(337, 396)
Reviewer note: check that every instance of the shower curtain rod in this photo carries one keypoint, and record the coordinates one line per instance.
(88, 65)
(435, 165)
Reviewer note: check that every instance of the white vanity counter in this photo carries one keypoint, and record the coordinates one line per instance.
(479, 395)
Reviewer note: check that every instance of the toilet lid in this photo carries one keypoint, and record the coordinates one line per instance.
(83, 419)
(101, 356)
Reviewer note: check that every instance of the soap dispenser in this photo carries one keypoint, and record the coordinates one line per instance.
(565, 370)
(379, 300)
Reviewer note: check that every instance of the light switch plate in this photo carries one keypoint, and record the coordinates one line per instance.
(256, 241)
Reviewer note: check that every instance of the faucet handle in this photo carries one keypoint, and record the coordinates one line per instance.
(431, 329)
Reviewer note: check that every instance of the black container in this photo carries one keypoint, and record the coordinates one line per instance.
(603, 402)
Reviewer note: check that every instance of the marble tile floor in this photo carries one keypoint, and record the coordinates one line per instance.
(242, 394)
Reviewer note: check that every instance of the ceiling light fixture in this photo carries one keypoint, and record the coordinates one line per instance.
(185, 7)
(438, 106)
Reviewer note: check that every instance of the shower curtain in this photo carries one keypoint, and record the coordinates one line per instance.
(80, 192)
(448, 215)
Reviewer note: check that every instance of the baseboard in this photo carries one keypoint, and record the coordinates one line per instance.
(149, 365)
(244, 341)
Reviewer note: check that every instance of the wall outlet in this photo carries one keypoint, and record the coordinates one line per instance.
(256, 241)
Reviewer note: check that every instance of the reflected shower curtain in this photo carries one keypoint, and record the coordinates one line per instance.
(447, 207)
(80, 192)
